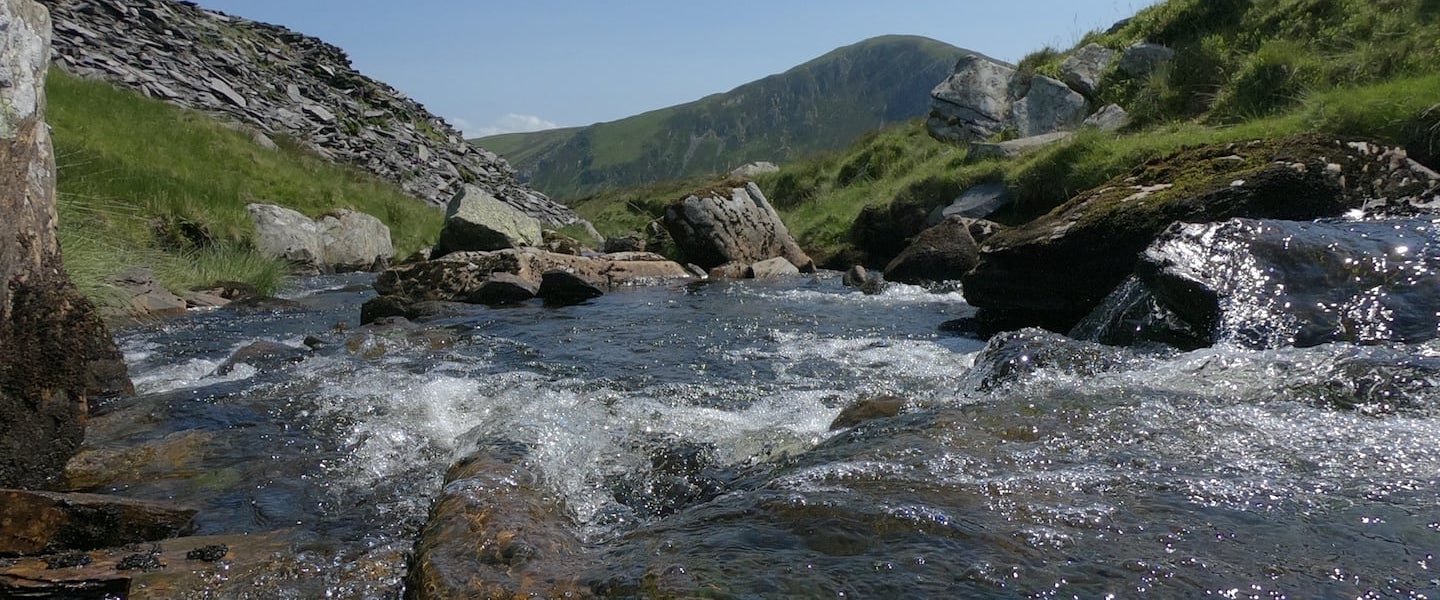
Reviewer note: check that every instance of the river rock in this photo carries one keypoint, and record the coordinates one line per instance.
(974, 103)
(714, 227)
(1056, 269)
(730, 270)
(55, 352)
(459, 277)
(564, 287)
(477, 221)
(1085, 66)
(1010, 358)
(1267, 284)
(147, 298)
(861, 278)
(504, 288)
(945, 252)
(495, 531)
(1142, 59)
(775, 268)
(978, 202)
(868, 409)
(626, 243)
(33, 523)
(286, 234)
(1050, 106)
(354, 241)
(229, 566)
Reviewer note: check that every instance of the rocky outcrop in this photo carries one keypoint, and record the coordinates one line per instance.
(475, 221)
(1085, 66)
(1048, 107)
(974, 102)
(341, 241)
(945, 252)
(1270, 284)
(54, 351)
(985, 98)
(1057, 268)
(282, 83)
(750, 170)
(1142, 59)
(732, 224)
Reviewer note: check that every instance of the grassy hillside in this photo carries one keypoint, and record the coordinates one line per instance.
(823, 104)
(1362, 69)
(145, 183)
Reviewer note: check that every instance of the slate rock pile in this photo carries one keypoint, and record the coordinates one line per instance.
(282, 83)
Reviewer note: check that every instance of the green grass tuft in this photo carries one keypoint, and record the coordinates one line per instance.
(143, 183)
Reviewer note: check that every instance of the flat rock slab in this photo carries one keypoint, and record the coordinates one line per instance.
(193, 567)
(33, 523)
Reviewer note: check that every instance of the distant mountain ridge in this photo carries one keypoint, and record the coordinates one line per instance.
(824, 104)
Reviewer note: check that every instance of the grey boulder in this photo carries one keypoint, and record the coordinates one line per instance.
(1083, 69)
(712, 228)
(974, 102)
(1143, 58)
(477, 221)
(286, 234)
(1050, 106)
(354, 241)
(978, 202)
(775, 268)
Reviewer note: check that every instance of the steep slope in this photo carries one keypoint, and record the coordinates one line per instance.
(821, 105)
(283, 84)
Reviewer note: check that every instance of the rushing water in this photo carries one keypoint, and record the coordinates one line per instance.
(1048, 469)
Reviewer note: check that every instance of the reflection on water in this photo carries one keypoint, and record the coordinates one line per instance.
(686, 429)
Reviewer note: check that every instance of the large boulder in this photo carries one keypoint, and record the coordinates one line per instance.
(1084, 68)
(477, 221)
(974, 102)
(55, 353)
(496, 531)
(1143, 58)
(717, 226)
(354, 241)
(1271, 284)
(945, 252)
(1050, 106)
(1057, 268)
(286, 234)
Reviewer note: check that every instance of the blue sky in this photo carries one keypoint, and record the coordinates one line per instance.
(493, 65)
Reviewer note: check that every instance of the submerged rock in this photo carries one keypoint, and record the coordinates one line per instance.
(714, 227)
(1056, 269)
(1280, 283)
(1010, 358)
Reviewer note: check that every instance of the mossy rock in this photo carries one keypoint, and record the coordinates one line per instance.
(1055, 269)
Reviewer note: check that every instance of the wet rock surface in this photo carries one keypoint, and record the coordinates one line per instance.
(1056, 269)
(282, 83)
(1280, 283)
(35, 523)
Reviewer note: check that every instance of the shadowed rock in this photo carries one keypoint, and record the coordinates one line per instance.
(33, 523)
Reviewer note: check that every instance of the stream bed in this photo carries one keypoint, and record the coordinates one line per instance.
(1036, 467)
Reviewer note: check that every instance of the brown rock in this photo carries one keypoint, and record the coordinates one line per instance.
(563, 287)
(731, 270)
(33, 523)
(496, 532)
(504, 288)
(775, 268)
(54, 350)
(944, 252)
(868, 409)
